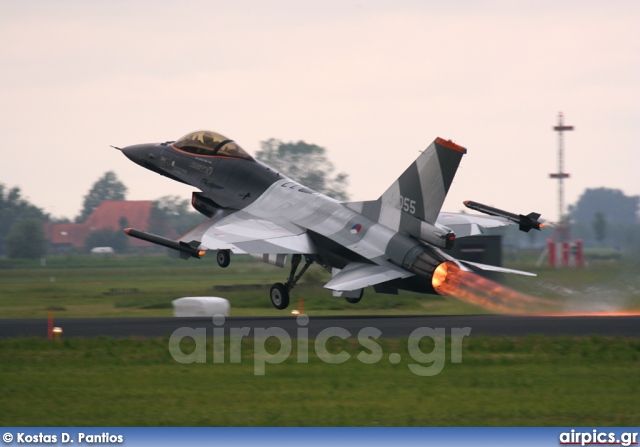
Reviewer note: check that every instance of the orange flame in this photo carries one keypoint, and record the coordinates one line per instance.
(449, 279)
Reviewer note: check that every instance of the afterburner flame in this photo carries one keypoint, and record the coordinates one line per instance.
(449, 279)
(445, 278)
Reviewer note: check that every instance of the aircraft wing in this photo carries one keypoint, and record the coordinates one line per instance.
(463, 224)
(241, 232)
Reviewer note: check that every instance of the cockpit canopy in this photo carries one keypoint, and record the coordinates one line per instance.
(207, 143)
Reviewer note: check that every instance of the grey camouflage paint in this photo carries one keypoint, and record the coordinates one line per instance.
(387, 232)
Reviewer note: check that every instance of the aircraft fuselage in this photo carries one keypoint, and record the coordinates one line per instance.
(340, 235)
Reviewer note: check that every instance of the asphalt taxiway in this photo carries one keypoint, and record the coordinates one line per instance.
(390, 326)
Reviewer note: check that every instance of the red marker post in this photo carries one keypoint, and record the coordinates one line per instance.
(551, 247)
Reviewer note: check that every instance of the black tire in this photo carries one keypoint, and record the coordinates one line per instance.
(279, 296)
(224, 258)
(355, 300)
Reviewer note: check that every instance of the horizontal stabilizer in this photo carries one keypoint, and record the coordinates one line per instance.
(464, 224)
(493, 268)
(357, 275)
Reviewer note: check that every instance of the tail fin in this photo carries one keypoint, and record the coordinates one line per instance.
(422, 188)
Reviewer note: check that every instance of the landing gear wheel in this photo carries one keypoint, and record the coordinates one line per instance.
(280, 292)
(355, 300)
(279, 296)
(224, 258)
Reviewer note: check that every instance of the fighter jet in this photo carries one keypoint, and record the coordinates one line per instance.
(397, 242)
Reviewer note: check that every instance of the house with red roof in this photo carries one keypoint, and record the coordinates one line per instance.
(110, 214)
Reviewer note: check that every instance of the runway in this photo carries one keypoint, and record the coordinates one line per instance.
(390, 326)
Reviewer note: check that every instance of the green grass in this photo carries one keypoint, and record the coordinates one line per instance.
(529, 381)
(534, 381)
(72, 288)
(78, 286)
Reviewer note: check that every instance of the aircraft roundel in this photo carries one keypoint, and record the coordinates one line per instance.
(356, 228)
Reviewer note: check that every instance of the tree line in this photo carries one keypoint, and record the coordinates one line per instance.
(605, 217)
(601, 216)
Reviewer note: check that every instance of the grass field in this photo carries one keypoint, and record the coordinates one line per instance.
(146, 286)
(530, 381)
(533, 381)
(86, 286)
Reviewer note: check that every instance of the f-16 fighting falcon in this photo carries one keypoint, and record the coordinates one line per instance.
(397, 242)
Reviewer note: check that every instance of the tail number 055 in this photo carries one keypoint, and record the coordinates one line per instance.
(407, 205)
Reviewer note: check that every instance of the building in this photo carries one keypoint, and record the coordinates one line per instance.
(111, 214)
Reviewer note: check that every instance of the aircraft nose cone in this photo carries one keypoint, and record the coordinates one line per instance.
(135, 153)
(138, 153)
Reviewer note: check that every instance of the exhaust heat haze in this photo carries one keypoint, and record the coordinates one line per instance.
(449, 279)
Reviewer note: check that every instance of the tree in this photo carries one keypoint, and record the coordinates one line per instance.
(173, 213)
(306, 164)
(599, 226)
(108, 187)
(12, 208)
(26, 239)
(604, 213)
(613, 203)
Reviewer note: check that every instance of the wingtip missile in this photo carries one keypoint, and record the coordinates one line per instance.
(187, 250)
(525, 223)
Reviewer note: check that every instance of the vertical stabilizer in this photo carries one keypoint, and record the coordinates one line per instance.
(422, 188)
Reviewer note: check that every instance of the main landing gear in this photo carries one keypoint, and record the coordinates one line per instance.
(224, 258)
(280, 292)
(355, 299)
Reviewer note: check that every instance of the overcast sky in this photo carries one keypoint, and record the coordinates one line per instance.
(373, 82)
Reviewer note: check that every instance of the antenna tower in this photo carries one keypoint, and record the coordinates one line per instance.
(560, 175)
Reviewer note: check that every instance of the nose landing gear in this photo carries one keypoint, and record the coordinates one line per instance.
(280, 292)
